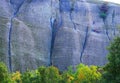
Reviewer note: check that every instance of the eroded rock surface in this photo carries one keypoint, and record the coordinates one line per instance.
(55, 32)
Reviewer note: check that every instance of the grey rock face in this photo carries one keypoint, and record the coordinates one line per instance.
(55, 32)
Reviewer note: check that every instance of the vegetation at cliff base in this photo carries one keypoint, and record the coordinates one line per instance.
(82, 74)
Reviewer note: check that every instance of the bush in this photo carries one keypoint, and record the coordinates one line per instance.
(49, 75)
(67, 78)
(16, 77)
(103, 15)
(104, 10)
(42, 75)
(31, 77)
(85, 74)
(4, 75)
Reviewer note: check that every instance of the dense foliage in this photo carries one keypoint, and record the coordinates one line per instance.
(4, 76)
(112, 68)
(83, 74)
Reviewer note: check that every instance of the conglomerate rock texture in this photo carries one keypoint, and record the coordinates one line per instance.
(55, 32)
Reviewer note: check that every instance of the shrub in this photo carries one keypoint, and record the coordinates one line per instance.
(85, 74)
(4, 75)
(16, 77)
(31, 77)
(41, 71)
(49, 75)
(67, 78)
(103, 15)
(104, 10)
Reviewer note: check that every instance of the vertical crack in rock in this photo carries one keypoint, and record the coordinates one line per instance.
(103, 14)
(53, 32)
(55, 23)
(70, 14)
(87, 29)
(84, 43)
(106, 30)
(59, 19)
(9, 45)
(16, 8)
(113, 16)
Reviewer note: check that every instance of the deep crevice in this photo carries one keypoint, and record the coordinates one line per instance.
(106, 30)
(55, 24)
(103, 14)
(16, 10)
(84, 43)
(70, 14)
(53, 32)
(113, 16)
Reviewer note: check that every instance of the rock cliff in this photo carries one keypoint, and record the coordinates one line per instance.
(56, 32)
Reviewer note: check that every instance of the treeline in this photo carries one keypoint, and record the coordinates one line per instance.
(83, 74)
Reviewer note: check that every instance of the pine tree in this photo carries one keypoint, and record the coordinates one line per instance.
(112, 68)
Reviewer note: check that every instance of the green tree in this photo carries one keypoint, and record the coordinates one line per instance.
(52, 75)
(4, 75)
(68, 76)
(104, 10)
(49, 74)
(112, 68)
(86, 74)
(41, 71)
(31, 77)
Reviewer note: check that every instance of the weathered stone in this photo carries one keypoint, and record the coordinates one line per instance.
(55, 32)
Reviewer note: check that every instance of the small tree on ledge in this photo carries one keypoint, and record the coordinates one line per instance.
(104, 10)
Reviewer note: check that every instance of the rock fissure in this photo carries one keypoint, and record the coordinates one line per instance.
(16, 8)
(113, 17)
(74, 25)
(106, 30)
(70, 14)
(84, 43)
(53, 32)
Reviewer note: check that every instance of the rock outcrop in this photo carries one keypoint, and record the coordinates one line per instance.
(55, 32)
